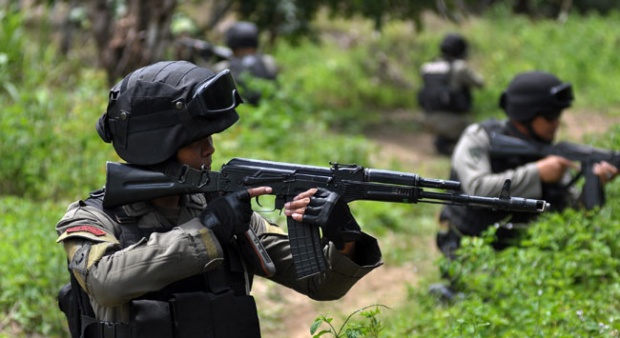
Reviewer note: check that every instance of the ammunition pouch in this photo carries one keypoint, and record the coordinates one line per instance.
(214, 315)
(186, 315)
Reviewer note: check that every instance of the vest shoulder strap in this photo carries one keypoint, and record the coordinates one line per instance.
(130, 232)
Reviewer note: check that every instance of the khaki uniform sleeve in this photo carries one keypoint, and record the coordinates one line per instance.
(466, 76)
(471, 162)
(270, 63)
(333, 284)
(112, 276)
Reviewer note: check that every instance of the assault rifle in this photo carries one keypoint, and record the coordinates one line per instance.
(593, 192)
(204, 49)
(129, 183)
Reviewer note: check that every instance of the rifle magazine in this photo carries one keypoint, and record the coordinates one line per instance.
(306, 249)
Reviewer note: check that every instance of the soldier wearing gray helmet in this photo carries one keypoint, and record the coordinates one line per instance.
(172, 266)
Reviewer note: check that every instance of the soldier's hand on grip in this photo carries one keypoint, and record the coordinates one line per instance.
(327, 210)
(228, 215)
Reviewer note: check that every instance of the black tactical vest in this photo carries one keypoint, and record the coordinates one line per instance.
(473, 221)
(214, 304)
(437, 94)
(250, 66)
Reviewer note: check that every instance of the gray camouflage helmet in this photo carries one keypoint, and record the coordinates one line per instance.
(157, 109)
(535, 93)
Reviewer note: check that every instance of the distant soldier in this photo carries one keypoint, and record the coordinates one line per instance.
(191, 49)
(246, 61)
(533, 103)
(446, 93)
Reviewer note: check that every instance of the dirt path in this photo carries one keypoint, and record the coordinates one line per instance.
(291, 314)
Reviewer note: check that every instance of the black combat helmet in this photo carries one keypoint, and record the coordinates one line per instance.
(242, 34)
(535, 93)
(454, 45)
(160, 108)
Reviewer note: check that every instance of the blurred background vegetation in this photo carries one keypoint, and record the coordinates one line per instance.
(347, 67)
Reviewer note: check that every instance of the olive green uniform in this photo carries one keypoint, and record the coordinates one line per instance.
(179, 248)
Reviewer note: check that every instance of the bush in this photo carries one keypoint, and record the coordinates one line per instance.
(562, 281)
(32, 268)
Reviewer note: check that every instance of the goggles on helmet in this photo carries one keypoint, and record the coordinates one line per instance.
(562, 93)
(216, 94)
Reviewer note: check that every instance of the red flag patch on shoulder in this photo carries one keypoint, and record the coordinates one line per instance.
(88, 228)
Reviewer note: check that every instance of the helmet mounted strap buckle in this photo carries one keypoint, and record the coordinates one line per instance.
(182, 178)
(120, 128)
(183, 173)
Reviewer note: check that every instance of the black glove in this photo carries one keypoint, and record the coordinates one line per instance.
(332, 214)
(228, 215)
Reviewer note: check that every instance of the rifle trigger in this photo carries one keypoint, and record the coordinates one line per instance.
(505, 194)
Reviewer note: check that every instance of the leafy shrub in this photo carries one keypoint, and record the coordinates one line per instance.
(48, 122)
(31, 265)
(370, 327)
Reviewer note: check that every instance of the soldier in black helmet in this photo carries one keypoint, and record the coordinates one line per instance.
(445, 95)
(534, 102)
(173, 266)
(246, 63)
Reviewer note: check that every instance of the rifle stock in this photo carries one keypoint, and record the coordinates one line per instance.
(128, 183)
(593, 192)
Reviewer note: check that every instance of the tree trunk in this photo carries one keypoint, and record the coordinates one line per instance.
(135, 39)
(522, 7)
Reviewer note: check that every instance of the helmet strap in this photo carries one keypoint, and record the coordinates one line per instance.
(531, 134)
(534, 135)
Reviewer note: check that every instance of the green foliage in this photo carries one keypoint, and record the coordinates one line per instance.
(32, 268)
(48, 120)
(10, 56)
(371, 327)
(383, 66)
(562, 282)
(579, 51)
(294, 19)
(285, 127)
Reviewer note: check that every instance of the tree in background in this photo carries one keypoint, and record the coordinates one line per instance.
(133, 33)
(131, 36)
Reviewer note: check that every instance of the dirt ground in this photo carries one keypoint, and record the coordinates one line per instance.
(293, 313)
